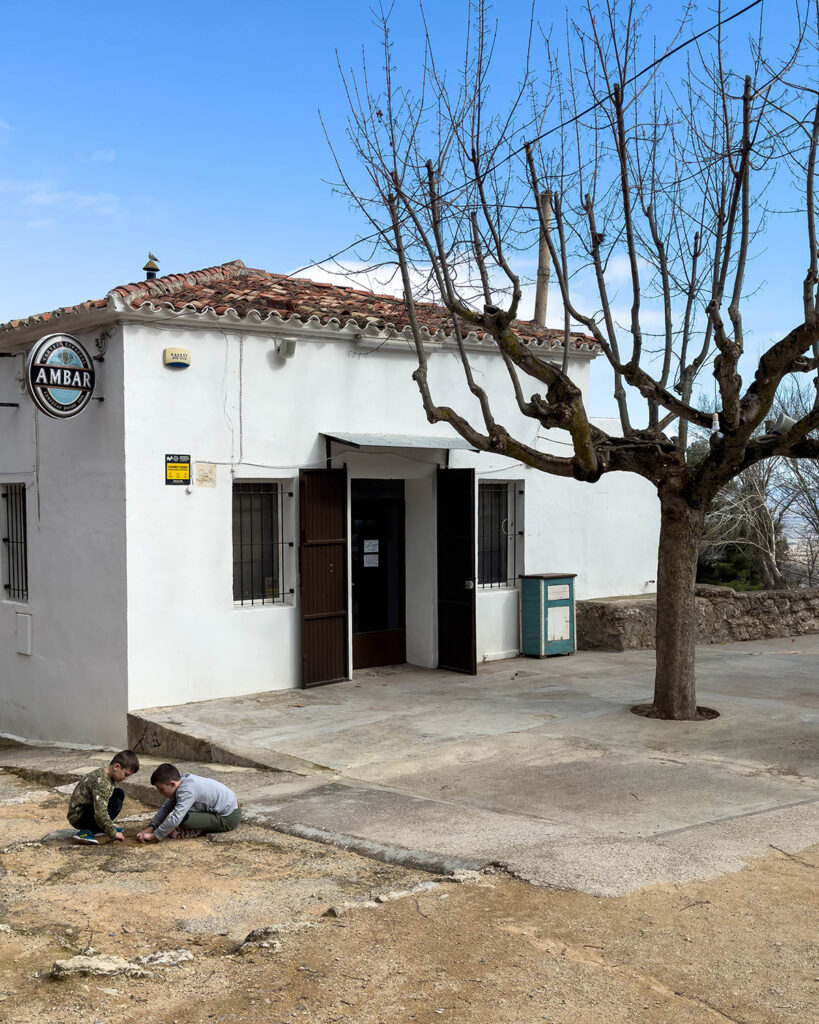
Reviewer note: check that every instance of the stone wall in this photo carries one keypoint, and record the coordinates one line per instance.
(628, 623)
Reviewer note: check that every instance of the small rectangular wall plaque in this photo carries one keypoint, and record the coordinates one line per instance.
(177, 357)
(205, 474)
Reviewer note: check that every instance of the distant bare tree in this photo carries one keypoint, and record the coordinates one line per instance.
(748, 513)
(802, 562)
(664, 179)
(797, 492)
(799, 482)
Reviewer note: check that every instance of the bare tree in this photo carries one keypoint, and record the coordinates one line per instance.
(802, 561)
(771, 509)
(748, 513)
(664, 177)
(799, 480)
(797, 492)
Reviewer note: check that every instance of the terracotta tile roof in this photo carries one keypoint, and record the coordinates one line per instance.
(44, 318)
(244, 290)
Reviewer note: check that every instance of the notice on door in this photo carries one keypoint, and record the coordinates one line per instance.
(370, 546)
(370, 561)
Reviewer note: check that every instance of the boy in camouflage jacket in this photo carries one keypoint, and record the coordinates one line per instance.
(95, 801)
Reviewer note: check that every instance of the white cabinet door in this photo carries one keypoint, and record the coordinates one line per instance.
(558, 623)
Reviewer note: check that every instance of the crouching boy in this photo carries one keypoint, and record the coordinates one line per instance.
(95, 801)
(193, 805)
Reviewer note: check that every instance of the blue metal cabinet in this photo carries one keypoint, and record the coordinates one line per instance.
(547, 614)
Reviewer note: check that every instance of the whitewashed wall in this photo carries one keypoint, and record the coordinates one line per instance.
(258, 416)
(73, 685)
(166, 630)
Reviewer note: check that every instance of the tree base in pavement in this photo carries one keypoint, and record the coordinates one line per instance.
(649, 711)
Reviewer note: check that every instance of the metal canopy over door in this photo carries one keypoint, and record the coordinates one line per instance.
(323, 575)
(456, 570)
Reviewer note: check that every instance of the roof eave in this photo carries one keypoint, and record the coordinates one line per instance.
(367, 338)
(27, 331)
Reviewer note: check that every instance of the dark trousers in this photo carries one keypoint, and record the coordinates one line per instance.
(206, 821)
(88, 821)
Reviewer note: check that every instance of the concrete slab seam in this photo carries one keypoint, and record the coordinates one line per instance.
(734, 817)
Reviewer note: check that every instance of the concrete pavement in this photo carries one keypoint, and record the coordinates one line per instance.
(538, 766)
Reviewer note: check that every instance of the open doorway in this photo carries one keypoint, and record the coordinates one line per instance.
(378, 573)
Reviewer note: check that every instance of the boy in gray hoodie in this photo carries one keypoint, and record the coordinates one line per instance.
(193, 805)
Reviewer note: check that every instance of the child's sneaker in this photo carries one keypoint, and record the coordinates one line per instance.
(184, 833)
(85, 835)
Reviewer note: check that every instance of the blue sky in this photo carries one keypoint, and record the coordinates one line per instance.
(192, 130)
(189, 129)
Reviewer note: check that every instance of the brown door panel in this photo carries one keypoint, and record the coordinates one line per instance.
(323, 575)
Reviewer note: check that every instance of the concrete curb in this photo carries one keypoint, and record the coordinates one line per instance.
(153, 739)
(422, 860)
(142, 791)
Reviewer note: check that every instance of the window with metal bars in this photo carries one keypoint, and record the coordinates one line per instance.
(258, 544)
(500, 533)
(15, 543)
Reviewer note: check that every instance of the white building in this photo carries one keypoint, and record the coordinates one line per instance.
(126, 588)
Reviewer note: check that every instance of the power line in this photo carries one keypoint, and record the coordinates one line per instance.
(335, 255)
(563, 124)
(628, 81)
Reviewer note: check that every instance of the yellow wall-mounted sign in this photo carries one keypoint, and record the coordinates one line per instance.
(177, 469)
(177, 356)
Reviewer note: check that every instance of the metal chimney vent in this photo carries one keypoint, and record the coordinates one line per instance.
(151, 267)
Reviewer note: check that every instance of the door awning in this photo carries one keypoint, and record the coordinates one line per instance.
(399, 441)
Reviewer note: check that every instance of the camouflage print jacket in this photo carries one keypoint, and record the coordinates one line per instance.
(93, 790)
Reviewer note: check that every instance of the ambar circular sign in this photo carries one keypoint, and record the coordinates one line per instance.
(60, 376)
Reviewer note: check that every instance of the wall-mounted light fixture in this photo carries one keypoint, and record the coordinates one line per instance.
(781, 425)
(286, 347)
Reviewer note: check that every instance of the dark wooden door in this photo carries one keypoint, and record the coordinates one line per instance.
(456, 570)
(323, 575)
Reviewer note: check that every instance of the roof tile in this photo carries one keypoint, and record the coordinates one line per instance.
(244, 289)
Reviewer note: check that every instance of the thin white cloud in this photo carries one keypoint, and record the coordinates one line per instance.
(349, 274)
(103, 156)
(386, 281)
(103, 203)
(42, 195)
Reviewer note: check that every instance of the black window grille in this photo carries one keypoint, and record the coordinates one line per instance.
(258, 546)
(15, 542)
(499, 536)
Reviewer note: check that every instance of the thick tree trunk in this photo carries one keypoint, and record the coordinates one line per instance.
(771, 576)
(674, 683)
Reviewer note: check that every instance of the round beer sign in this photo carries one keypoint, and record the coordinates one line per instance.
(60, 376)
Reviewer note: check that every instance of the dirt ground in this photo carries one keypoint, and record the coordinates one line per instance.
(742, 948)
